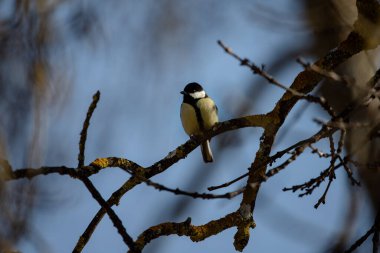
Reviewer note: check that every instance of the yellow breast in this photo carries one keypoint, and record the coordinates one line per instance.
(208, 112)
(189, 119)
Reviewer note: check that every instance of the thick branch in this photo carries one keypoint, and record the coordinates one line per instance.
(195, 233)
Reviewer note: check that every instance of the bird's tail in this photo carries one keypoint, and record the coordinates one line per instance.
(206, 152)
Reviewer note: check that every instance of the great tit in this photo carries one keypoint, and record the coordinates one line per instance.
(198, 113)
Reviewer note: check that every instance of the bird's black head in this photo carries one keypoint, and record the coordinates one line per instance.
(193, 92)
(192, 88)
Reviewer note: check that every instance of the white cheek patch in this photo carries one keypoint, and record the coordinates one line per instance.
(198, 94)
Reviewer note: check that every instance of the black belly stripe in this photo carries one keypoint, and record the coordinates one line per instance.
(199, 117)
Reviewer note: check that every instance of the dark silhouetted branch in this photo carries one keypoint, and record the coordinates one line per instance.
(91, 188)
(195, 233)
(375, 239)
(86, 123)
(174, 156)
(177, 191)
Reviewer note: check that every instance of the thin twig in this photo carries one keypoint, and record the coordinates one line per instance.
(296, 153)
(269, 174)
(256, 70)
(309, 186)
(260, 71)
(316, 137)
(177, 191)
(322, 199)
(329, 74)
(315, 150)
(375, 228)
(213, 188)
(86, 123)
(360, 241)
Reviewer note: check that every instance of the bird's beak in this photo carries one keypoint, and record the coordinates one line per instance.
(183, 92)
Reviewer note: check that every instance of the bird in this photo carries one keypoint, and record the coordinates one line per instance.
(198, 114)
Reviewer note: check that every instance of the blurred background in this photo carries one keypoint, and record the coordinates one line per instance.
(55, 54)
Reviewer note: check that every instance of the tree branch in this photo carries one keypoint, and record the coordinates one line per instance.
(86, 123)
(162, 165)
(304, 83)
(177, 191)
(373, 230)
(91, 188)
(195, 233)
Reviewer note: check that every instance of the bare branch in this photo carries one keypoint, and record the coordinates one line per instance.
(269, 174)
(321, 154)
(322, 199)
(30, 173)
(375, 239)
(113, 216)
(360, 241)
(86, 123)
(84, 171)
(329, 74)
(323, 133)
(91, 188)
(177, 191)
(256, 70)
(213, 188)
(296, 153)
(195, 233)
(309, 186)
(162, 165)
(375, 229)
